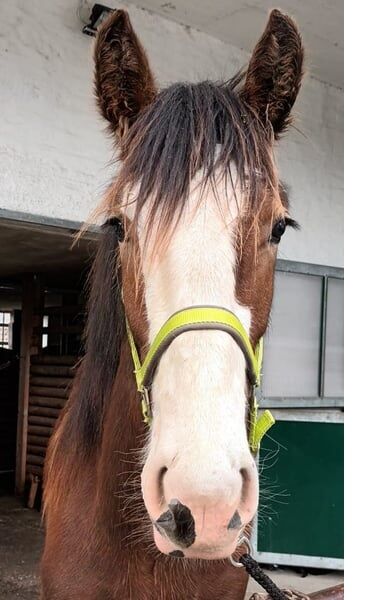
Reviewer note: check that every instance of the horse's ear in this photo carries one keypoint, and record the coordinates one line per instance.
(124, 83)
(275, 71)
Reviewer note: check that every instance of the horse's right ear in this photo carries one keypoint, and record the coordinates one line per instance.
(124, 83)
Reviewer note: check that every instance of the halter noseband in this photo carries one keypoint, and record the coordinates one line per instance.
(196, 318)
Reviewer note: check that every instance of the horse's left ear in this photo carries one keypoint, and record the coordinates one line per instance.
(275, 71)
(124, 83)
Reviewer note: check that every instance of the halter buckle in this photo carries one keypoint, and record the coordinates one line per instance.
(146, 405)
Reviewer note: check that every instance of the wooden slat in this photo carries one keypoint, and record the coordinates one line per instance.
(37, 440)
(59, 382)
(52, 370)
(40, 430)
(47, 401)
(51, 392)
(44, 359)
(45, 421)
(37, 450)
(31, 459)
(44, 411)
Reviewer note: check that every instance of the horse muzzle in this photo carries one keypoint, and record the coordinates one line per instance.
(202, 519)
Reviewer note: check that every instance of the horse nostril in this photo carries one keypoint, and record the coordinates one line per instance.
(246, 479)
(235, 521)
(166, 520)
(184, 520)
(178, 524)
(160, 481)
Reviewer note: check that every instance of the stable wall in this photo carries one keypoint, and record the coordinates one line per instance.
(53, 149)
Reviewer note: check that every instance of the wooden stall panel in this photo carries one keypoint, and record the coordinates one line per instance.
(50, 382)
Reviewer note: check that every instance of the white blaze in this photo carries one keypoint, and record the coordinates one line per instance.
(199, 389)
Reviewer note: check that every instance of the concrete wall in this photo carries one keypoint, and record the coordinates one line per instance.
(54, 153)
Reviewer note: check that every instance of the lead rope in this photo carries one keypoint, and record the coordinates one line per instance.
(255, 571)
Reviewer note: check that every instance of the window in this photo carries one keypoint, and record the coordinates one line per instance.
(294, 337)
(45, 335)
(303, 359)
(5, 329)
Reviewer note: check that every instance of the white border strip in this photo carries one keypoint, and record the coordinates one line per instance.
(308, 415)
(299, 560)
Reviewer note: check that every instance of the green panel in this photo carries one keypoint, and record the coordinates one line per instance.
(302, 489)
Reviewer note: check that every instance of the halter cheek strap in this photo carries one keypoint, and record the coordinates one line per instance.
(196, 318)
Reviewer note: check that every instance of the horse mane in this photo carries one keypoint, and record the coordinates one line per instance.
(103, 336)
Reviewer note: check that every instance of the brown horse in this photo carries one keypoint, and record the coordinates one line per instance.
(194, 217)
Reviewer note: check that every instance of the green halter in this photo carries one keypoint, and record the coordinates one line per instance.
(202, 318)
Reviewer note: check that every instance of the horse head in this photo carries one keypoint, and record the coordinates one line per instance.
(198, 197)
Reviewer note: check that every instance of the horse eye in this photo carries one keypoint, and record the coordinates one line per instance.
(277, 231)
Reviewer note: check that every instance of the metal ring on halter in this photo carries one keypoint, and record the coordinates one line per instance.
(243, 540)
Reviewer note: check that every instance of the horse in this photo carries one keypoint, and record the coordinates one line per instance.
(153, 508)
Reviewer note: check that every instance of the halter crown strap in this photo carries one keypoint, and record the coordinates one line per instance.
(201, 318)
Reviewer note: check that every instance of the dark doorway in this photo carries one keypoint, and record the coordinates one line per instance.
(41, 320)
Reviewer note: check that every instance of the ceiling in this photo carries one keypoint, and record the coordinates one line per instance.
(32, 248)
(241, 22)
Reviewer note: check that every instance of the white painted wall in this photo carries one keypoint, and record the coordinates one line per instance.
(52, 149)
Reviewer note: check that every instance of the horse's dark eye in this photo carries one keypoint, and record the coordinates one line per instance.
(277, 231)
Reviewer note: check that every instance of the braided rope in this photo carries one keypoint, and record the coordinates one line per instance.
(260, 577)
